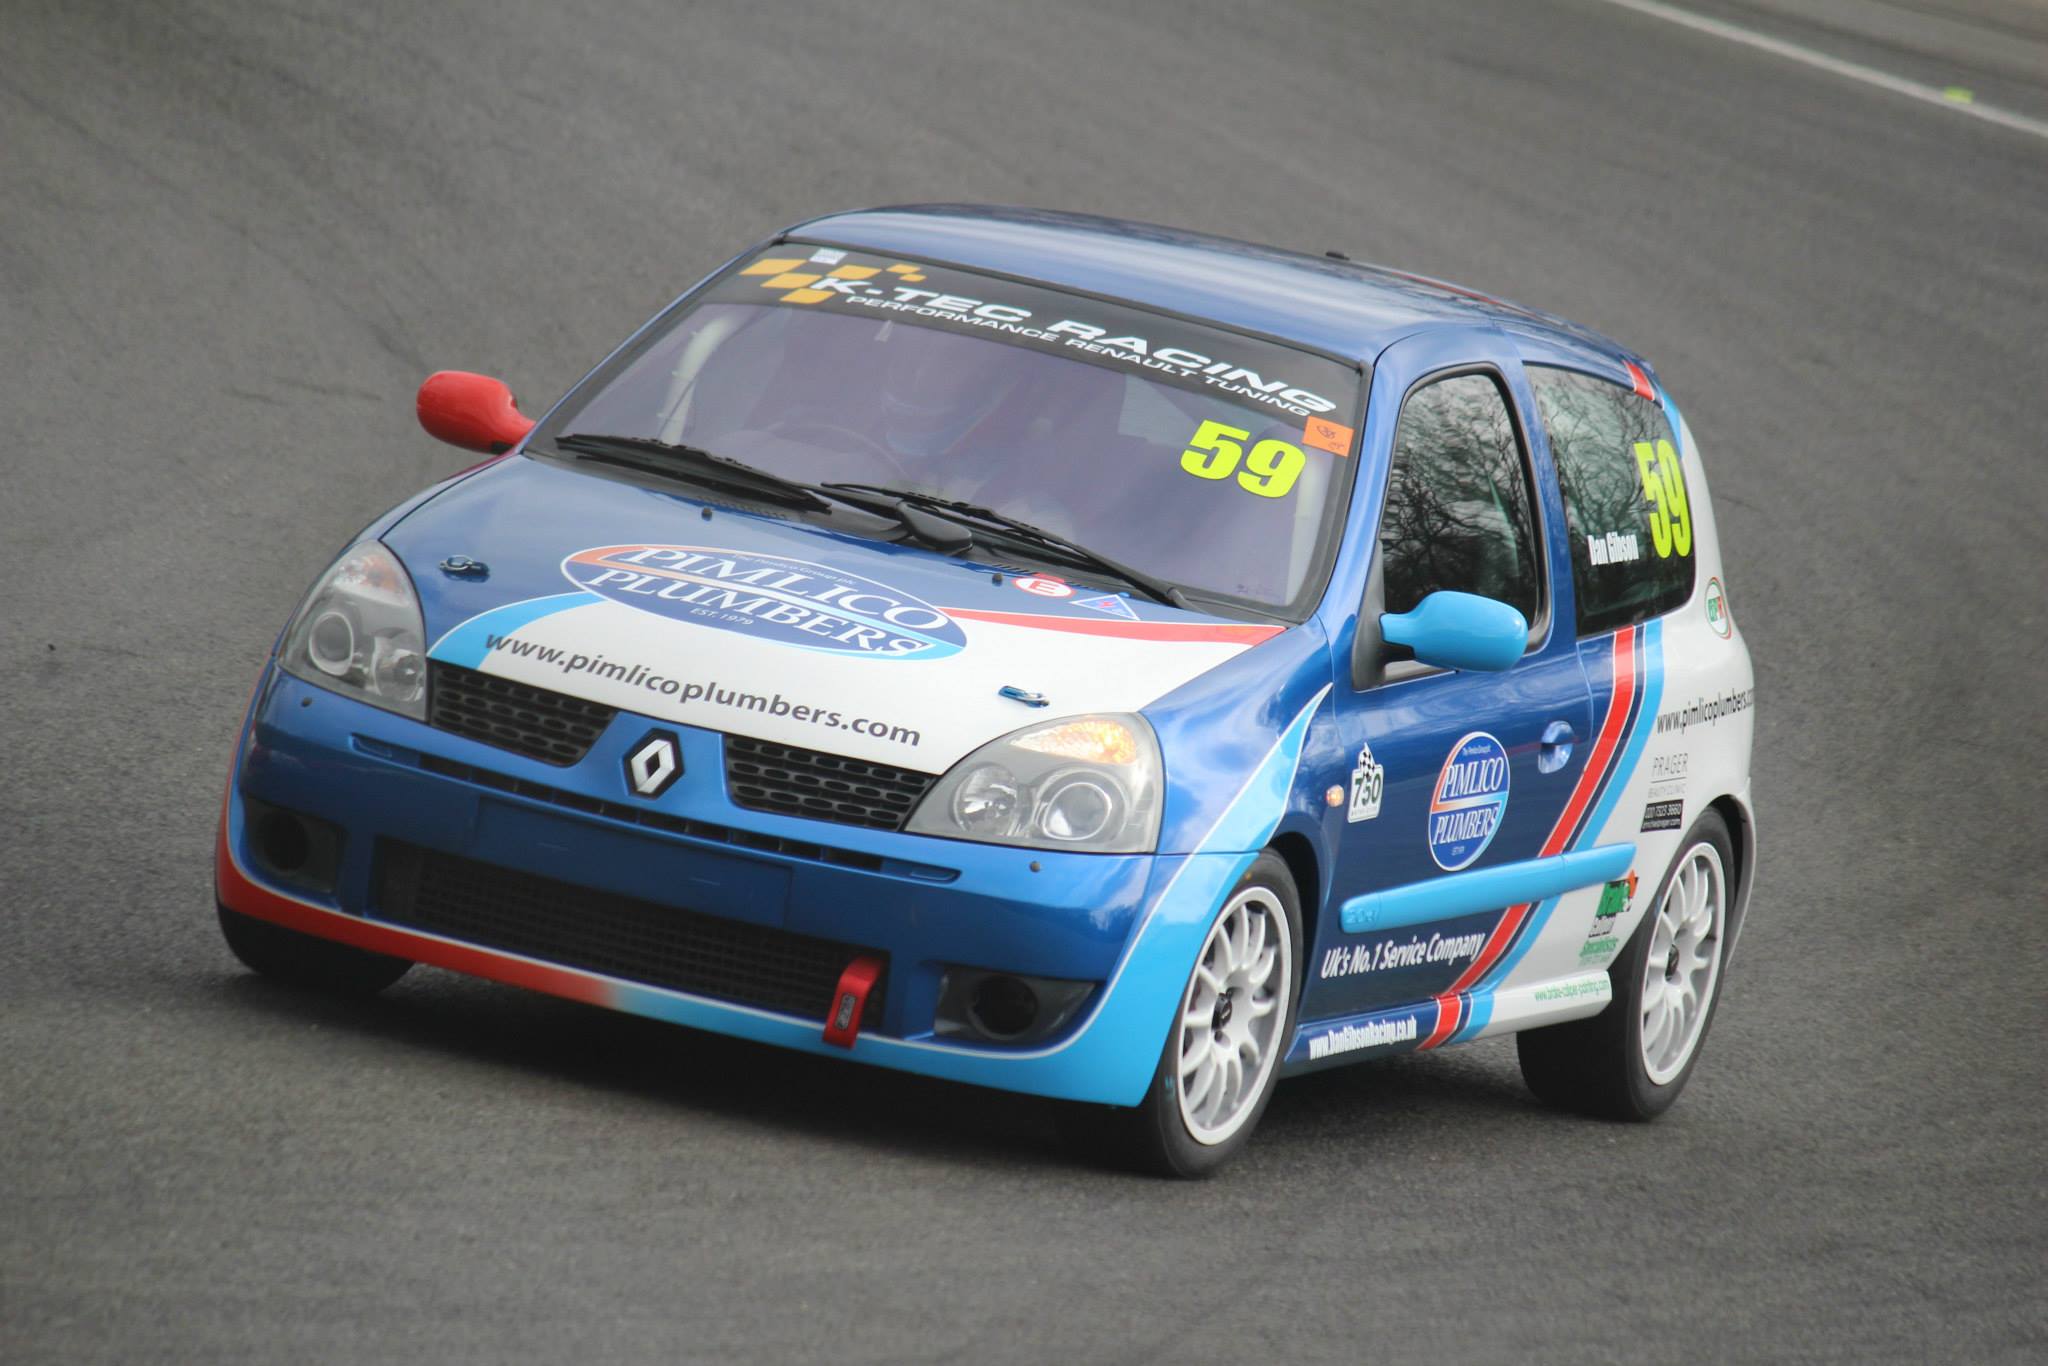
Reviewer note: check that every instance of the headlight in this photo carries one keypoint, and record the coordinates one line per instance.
(360, 633)
(1090, 784)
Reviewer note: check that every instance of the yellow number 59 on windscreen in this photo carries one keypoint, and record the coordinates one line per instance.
(1269, 468)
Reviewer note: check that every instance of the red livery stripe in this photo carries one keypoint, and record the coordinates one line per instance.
(1202, 632)
(1605, 746)
(1640, 382)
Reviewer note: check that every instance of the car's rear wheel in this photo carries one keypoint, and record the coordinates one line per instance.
(306, 961)
(1632, 1059)
(1232, 1026)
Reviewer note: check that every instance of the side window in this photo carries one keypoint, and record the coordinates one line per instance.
(1458, 508)
(1624, 498)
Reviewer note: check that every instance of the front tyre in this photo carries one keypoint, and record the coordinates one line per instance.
(306, 961)
(1230, 1030)
(1631, 1060)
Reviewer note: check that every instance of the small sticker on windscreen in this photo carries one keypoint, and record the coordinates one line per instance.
(1326, 435)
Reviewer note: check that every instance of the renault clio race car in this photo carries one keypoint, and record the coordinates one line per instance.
(1058, 654)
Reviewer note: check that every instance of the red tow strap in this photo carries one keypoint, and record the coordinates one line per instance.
(850, 1000)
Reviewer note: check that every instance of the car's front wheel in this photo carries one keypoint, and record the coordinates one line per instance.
(1230, 1030)
(1632, 1059)
(306, 961)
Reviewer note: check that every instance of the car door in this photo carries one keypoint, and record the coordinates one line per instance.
(1458, 778)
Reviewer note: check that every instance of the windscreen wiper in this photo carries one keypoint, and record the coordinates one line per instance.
(941, 533)
(696, 465)
(968, 514)
(690, 464)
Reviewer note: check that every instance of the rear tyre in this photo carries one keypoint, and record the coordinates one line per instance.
(1232, 1025)
(1632, 1059)
(306, 961)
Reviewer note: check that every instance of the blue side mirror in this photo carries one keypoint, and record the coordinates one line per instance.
(1460, 631)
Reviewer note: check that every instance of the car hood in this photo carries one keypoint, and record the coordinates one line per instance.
(651, 602)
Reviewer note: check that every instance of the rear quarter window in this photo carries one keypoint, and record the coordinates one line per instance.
(1625, 499)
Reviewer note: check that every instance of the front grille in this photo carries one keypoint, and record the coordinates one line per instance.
(763, 776)
(619, 936)
(549, 726)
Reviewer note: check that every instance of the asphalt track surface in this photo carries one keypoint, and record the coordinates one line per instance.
(231, 243)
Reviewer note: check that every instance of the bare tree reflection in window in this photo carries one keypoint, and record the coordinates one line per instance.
(1457, 512)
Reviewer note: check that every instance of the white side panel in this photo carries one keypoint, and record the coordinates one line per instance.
(1697, 735)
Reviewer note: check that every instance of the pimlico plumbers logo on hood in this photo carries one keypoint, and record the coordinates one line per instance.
(1470, 798)
(771, 597)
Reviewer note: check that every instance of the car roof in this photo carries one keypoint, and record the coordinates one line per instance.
(1345, 308)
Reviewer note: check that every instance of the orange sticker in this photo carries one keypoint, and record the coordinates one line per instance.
(1326, 435)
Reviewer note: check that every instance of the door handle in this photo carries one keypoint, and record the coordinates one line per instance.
(1557, 747)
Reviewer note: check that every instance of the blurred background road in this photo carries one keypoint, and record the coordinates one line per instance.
(1991, 52)
(233, 238)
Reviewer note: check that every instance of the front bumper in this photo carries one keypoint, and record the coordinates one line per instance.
(1130, 923)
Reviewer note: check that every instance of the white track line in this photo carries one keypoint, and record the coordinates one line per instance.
(1855, 71)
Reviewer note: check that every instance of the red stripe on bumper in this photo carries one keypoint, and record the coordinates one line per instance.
(238, 892)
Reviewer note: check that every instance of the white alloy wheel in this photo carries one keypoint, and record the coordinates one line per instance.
(1232, 1014)
(1683, 964)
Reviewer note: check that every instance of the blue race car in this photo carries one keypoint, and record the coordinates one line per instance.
(1059, 654)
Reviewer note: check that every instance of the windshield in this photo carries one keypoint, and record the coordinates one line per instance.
(1205, 458)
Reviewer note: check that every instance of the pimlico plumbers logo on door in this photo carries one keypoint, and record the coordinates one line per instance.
(793, 602)
(1470, 798)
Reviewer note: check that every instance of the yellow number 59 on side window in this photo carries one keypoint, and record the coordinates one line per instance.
(1664, 486)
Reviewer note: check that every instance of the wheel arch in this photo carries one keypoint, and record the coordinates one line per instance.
(1299, 855)
(1742, 834)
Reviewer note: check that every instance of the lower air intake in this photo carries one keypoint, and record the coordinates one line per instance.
(619, 936)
